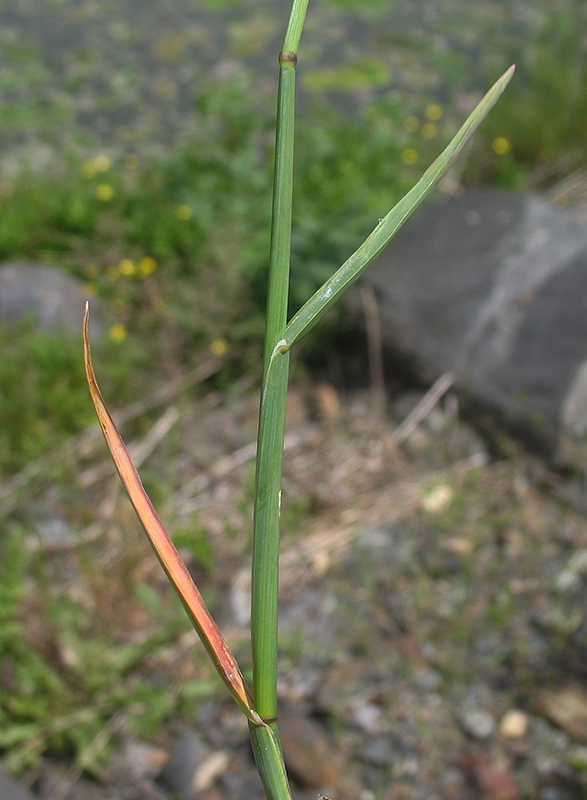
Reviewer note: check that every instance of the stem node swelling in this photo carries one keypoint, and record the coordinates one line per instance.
(287, 57)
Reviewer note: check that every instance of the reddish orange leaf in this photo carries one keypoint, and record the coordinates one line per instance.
(166, 552)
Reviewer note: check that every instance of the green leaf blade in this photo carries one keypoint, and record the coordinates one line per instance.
(333, 289)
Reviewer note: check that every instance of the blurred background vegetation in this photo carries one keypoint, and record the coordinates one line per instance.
(137, 146)
(136, 155)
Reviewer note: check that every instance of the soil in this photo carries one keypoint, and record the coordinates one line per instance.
(432, 629)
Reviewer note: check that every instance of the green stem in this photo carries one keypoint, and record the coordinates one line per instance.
(295, 26)
(265, 579)
(269, 760)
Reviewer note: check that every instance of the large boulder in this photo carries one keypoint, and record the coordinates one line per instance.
(492, 286)
(54, 300)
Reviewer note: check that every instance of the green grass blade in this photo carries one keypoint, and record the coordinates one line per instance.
(333, 289)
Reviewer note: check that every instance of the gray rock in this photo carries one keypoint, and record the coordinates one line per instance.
(11, 790)
(478, 722)
(55, 531)
(492, 286)
(187, 755)
(56, 781)
(386, 750)
(53, 299)
(388, 549)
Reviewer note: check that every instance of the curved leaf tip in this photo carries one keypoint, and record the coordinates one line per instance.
(212, 639)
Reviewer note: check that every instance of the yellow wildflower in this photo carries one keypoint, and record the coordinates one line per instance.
(146, 266)
(184, 212)
(433, 112)
(429, 130)
(219, 347)
(104, 192)
(410, 156)
(127, 267)
(102, 163)
(92, 166)
(501, 146)
(118, 333)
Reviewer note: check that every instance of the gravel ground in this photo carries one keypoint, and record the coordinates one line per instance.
(432, 629)
(126, 75)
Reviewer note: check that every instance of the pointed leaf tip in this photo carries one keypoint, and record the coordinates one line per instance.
(328, 294)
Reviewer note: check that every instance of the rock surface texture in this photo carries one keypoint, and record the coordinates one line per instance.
(492, 287)
(53, 300)
(11, 790)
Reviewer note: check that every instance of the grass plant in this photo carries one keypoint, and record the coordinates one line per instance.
(259, 704)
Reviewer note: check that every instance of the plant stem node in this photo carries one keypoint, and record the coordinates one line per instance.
(287, 57)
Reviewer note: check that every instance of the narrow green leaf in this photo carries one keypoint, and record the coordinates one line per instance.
(333, 289)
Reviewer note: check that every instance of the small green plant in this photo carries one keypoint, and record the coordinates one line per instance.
(538, 130)
(43, 392)
(43, 398)
(64, 676)
(259, 703)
